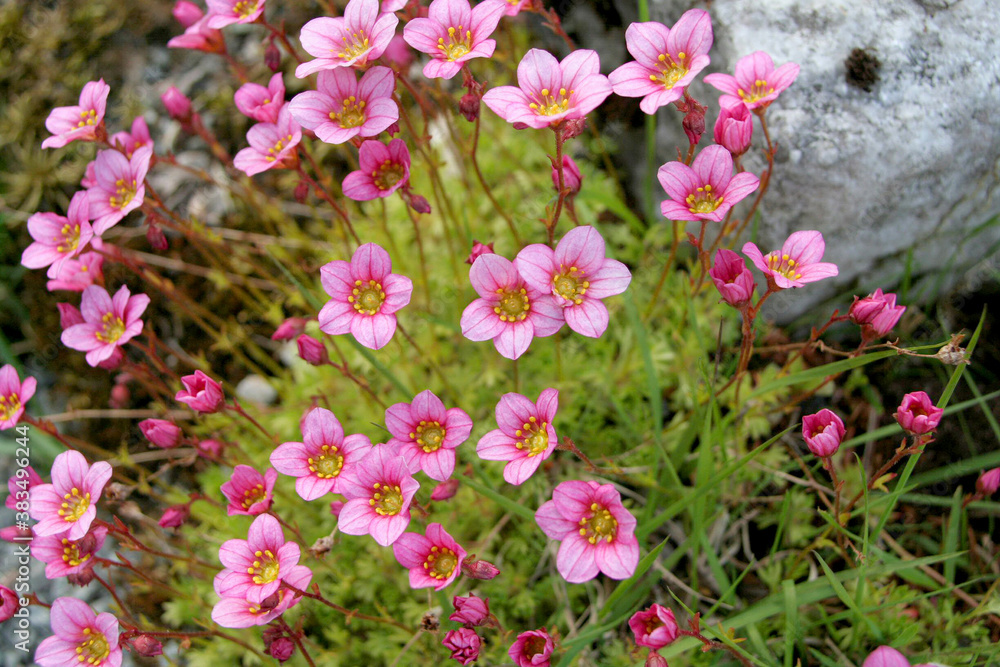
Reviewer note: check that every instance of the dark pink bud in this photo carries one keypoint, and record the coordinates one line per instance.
(876, 314)
(187, 13)
(823, 433)
(281, 649)
(917, 414)
(468, 106)
(519, 126)
(289, 329)
(464, 645)
(393, 129)
(15, 534)
(201, 393)
(419, 204)
(301, 192)
(335, 507)
(572, 179)
(694, 125)
(478, 249)
(654, 627)
(734, 127)
(81, 578)
(9, 604)
(573, 127)
(988, 482)
(120, 396)
(656, 660)
(161, 432)
(69, 315)
(146, 646)
(177, 104)
(312, 351)
(479, 569)
(157, 239)
(272, 57)
(470, 610)
(732, 278)
(210, 448)
(175, 516)
(445, 490)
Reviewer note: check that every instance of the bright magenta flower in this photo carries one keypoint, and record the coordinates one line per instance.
(597, 532)
(427, 434)
(359, 36)
(463, 643)
(509, 310)
(237, 612)
(384, 169)
(876, 314)
(201, 393)
(988, 482)
(64, 557)
(256, 566)
(733, 279)
(532, 649)
(734, 127)
(470, 610)
(120, 187)
(161, 433)
(550, 91)
(365, 296)
(796, 264)
(226, 12)
(654, 627)
(578, 275)
(342, 107)
(249, 492)
(666, 59)
(81, 122)
(79, 636)
(261, 103)
(271, 145)
(9, 603)
(108, 322)
(454, 33)
(757, 83)
(434, 560)
(13, 395)
(75, 275)
(526, 436)
(917, 414)
(319, 462)
(68, 505)
(823, 433)
(379, 490)
(707, 189)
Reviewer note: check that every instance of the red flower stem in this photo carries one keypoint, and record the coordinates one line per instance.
(140, 573)
(486, 188)
(298, 641)
(349, 613)
(139, 546)
(551, 226)
(420, 253)
(238, 409)
(121, 605)
(283, 38)
(554, 24)
(427, 358)
(324, 193)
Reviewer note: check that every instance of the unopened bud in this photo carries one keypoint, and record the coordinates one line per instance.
(289, 329)
(444, 490)
(321, 547)
(177, 104)
(574, 127)
(312, 351)
(419, 204)
(281, 649)
(468, 106)
(120, 395)
(272, 57)
(175, 516)
(301, 192)
(146, 646)
(479, 249)
(210, 448)
(479, 569)
(694, 123)
(81, 578)
(656, 660)
(393, 129)
(69, 315)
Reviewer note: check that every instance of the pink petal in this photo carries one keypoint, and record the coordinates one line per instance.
(582, 247)
(589, 318)
(520, 469)
(575, 560)
(497, 446)
(479, 322)
(536, 264)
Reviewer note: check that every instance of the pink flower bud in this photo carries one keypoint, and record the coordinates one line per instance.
(886, 656)
(468, 106)
(156, 238)
(289, 329)
(69, 315)
(732, 278)
(419, 204)
(146, 646)
(876, 314)
(120, 395)
(445, 490)
(470, 610)
(272, 57)
(9, 603)
(281, 649)
(988, 482)
(187, 13)
(210, 448)
(823, 433)
(917, 414)
(654, 627)
(392, 130)
(656, 660)
(479, 569)
(734, 127)
(312, 351)
(201, 393)
(178, 106)
(464, 645)
(399, 53)
(175, 516)
(694, 125)
(571, 176)
(479, 249)
(573, 127)
(161, 432)
(335, 507)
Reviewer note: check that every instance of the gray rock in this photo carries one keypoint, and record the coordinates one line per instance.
(255, 389)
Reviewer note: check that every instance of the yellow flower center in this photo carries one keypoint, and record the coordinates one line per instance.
(94, 649)
(245, 8)
(570, 284)
(74, 505)
(9, 405)
(113, 329)
(783, 265)
(387, 175)
(671, 71)
(441, 562)
(253, 496)
(535, 437)
(265, 568)
(274, 151)
(704, 200)
(600, 525)
(88, 117)
(513, 306)
(352, 113)
(459, 43)
(367, 298)
(387, 500)
(69, 240)
(328, 464)
(759, 90)
(355, 45)
(124, 192)
(429, 435)
(71, 553)
(550, 104)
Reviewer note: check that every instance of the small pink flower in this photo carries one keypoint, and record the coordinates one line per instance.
(9, 604)
(311, 350)
(81, 122)
(434, 560)
(917, 414)
(479, 249)
(988, 482)
(463, 643)
(68, 505)
(454, 33)
(886, 656)
(174, 517)
(249, 492)
(509, 311)
(550, 91)
(161, 432)
(237, 612)
(757, 83)
(120, 188)
(64, 557)
(289, 329)
(108, 322)
(201, 393)
(58, 239)
(177, 104)
(342, 107)
(732, 278)
(597, 532)
(359, 36)
(256, 566)
(260, 103)
(20, 483)
(75, 275)
(427, 434)
(379, 490)
(129, 142)
(319, 463)
(734, 127)
(365, 296)
(578, 275)
(383, 170)
(445, 490)
(470, 610)
(271, 145)
(876, 314)
(707, 189)
(526, 436)
(654, 627)
(532, 649)
(666, 59)
(572, 179)
(823, 433)
(226, 12)
(13, 395)
(79, 636)
(796, 264)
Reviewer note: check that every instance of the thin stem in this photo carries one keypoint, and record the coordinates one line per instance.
(551, 225)
(486, 188)
(350, 613)
(298, 641)
(238, 409)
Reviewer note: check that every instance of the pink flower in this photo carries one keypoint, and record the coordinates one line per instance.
(161, 432)
(20, 483)
(463, 643)
(379, 490)
(433, 560)
(470, 610)
(666, 59)
(886, 656)
(260, 103)
(174, 517)
(197, 35)
(654, 627)
(69, 503)
(707, 189)
(120, 188)
(187, 13)
(757, 83)
(9, 604)
(454, 33)
(271, 145)
(311, 350)
(876, 314)
(823, 433)
(578, 275)
(383, 170)
(256, 566)
(226, 12)
(76, 275)
(532, 649)
(551, 91)
(360, 35)
(597, 532)
(82, 122)
(108, 322)
(734, 127)
(319, 463)
(445, 490)
(64, 557)
(177, 104)
(572, 179)
(13, 395)
(365, 296)
(732, 278)
(427, 434)
(79, 636)
(201, 393)
(289, 329)
(479, 249)
(237, 612)
(796, 264)
(988, 482)
(58, 239)
(510, 311)
(249, 492)
(398, 53)
(917, 414)
(526, 436)
(129, 142)
(342, 107)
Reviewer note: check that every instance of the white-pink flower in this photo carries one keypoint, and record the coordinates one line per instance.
(69, 504)
(120, 187)
(80, 122)
(359, 36)
(757, 82)
(58, 239)
(79, 636)
(342, 107)
(526, 436)
(108, 322)
(454, 33)
(427, 433)
(379, 490)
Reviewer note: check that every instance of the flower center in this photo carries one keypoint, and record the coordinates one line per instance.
(328, 463)
(600, 525)
(783, 265)
(429, 435)
(387, 175)
(671, 71)
(355, 45)
(534, 646)
(275, 151)
(535, 437)
(265, 567)
(113, 329)
(124, 192)
(758, 90)
(570, 285)
(71, 553)
(459, 43)
(367, 299)
(352, 113)
(245, 8)
(94, 649)
(253, 495)
(652, 624)
(88, 117)
(74, 505)
(9, 405)
(387, 500)
(70, 238)
(548, 104)
(441, 562)
(703, 200)
(513, 305)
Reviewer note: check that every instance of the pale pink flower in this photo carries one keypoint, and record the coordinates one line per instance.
(13, 395)
(64, 557)
(886, 656)
(161, 433)
(365, 296)
(988, 482)
(379, 490)
(578, 275)
(733, 279)
(79, 636)
(108, 322)
(226, 12)
(734, 127)
(393, 5)
(876, 314)
(917, 414)
(532, 649)
(359, 36)
(257, 566)
(75, 275)
(654, 627)
(463, 643)
(597, 532)
(120, 187)
(526, 436)
(666, 59)
(427, 434)
(20, 483)
(9, 604)
(572, 179)
(823, 433)
(201, 393)
(271, 145)
(81, 122)
(470, 610)
(69, 504)
(454, 33)
(757, 83)
(707, 189)
(342, 107)
(509, 311)
(796, 264)
(550, 91)
(249, 492)
(237, 612)
(384, 169)
(129, 142)
(319, 462)
(433, 560)
(197, 34)
(259, 102)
